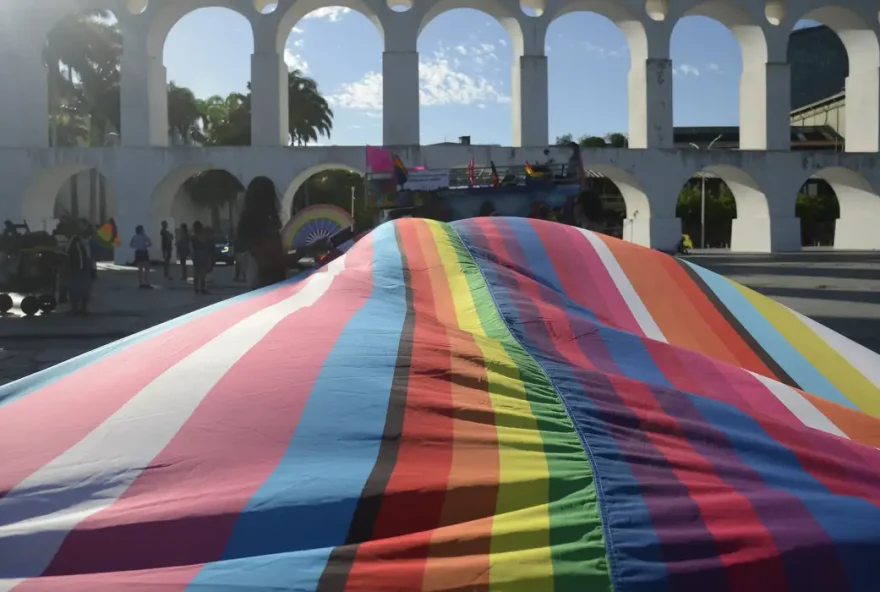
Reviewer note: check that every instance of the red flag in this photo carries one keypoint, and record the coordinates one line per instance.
(471, 176)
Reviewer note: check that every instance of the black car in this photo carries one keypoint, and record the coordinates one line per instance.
(224, 251)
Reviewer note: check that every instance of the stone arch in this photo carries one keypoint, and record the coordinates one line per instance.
(301, 8)
(618, 13)
(634, 195)
(38, 202)
(166, 191)
(303, 176)
(494, 8)
(745, 27)
(859, 38)
(167, 14)
(750, 229)
(859, 203)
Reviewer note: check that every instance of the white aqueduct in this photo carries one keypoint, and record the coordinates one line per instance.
(145, 172)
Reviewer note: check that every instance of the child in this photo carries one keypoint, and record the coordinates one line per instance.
(201, 257)
(141, 244)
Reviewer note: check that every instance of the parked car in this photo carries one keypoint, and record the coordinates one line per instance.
(224, 252)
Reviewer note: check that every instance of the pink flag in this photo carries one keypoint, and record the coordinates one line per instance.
(379, 160)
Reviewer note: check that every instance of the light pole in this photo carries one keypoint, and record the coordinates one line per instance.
(703, 195)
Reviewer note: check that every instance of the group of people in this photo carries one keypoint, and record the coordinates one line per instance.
(197, 245)
(258, 244)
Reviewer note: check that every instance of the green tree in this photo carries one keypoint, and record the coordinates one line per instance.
(214, 189)
(591, 142)
(564, 139)
(185, 116)
(617, 140)
(309, 114)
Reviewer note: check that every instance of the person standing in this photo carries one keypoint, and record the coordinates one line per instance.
(141, 244)
(201, 256)
(241, 260)
(259, 232)
(167, 241)
(80, 271)
(183, 249)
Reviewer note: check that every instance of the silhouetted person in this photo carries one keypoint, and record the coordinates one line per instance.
(259, 231)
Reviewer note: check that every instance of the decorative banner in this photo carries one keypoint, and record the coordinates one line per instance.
(426, 180)
(314, 223)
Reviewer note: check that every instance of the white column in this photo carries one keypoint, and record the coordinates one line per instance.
(24, 94)
(269, 114)
(529, 101)
(400, 98)
(143, 97)
(650, 104)
(862, 110)
(765, 107)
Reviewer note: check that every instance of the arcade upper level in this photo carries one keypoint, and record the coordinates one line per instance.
(761, 26)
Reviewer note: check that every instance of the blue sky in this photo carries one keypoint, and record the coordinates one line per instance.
(466, 59)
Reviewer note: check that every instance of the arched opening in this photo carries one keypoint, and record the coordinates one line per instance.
(326, 184)
(200, 193)
(351, 110)
(839, 207)
(207, 57)
(465, 60)
(626, 211)
(82, 56)
(719, 58)
(723, 207)
(586, 52)
(71, 192)
(835, 79)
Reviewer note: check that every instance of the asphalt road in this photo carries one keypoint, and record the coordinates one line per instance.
(839, 290)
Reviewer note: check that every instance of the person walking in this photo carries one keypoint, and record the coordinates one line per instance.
(80, 271)
(183, 249)
(167, 241)
(141, 244)
(259, 231)
(201, 256)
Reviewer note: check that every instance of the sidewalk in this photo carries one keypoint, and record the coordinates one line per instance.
(119, 308)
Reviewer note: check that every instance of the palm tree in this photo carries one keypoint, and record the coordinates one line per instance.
(309, 113)
(184, 115)
(82, 55)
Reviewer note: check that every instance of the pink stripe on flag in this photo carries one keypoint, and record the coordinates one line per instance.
(183, 508)
(43, 425)
(584, 277)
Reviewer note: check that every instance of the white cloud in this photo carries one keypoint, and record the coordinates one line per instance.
(713, 67)
(602, 52)
(686, 70)
(294, 61)
(298, 31)
(331, 13)
(441, 82)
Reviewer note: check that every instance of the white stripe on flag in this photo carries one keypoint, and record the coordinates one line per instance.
(859, 356)
(38, 514)
(799, 406)
(630, 296)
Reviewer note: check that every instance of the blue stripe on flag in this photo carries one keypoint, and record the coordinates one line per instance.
(791, 360)
(305, 508)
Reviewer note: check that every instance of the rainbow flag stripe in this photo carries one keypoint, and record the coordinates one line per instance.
(494, 404)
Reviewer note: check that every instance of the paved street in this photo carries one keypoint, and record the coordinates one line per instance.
(841, 290)
(119, 309)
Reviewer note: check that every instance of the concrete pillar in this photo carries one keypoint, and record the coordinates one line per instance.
(656, 233)
(765, 106)
(773, 234)
(269, 105)
(143, 97)
(650, 104)
(863, 110)
(400, 98)
(529, 102)
(24, 94)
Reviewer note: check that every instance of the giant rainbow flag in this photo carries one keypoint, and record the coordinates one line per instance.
(494, 404)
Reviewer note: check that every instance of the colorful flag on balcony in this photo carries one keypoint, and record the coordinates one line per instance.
(400, 172)
(472, 178)
(496, 181)
(379, 160)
